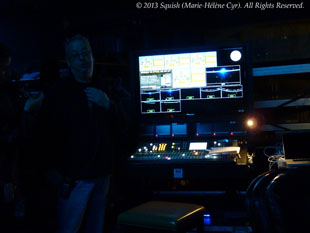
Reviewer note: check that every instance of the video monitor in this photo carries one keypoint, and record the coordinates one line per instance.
(191, 82)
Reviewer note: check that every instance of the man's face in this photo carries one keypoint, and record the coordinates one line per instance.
(80, 60)
(4, 70)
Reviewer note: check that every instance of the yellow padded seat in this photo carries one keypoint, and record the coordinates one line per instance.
(171, 216)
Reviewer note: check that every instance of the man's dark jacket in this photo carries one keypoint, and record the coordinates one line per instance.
(78, 140)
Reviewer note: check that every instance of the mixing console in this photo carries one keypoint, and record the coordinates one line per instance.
(185, 151)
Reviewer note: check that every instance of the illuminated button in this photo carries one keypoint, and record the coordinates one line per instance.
(215, 142)
(196, 153)
(172, 147)
(132, 156)
(169, 158)
(183, 155)
(151, 144)
(158, 156)
(139, 149)
(179, 148)
(219, 144)
(156, 135)
(214, 134)
(172, 135)
(197, 134)
(173, 143)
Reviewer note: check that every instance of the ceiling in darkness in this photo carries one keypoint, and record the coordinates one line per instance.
(121, 13)
(35, 28)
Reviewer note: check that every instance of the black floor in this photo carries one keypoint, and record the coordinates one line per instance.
(225, 212)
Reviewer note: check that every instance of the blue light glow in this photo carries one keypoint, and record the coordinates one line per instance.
(207, 221)
(226, 140)
(223, 71)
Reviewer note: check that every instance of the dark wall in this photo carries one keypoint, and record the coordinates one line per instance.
(36, 29)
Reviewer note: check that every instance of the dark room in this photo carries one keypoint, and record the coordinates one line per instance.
(154, 116)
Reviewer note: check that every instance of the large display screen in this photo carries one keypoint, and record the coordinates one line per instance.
(172, 83)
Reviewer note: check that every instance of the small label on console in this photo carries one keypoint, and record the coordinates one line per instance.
(178, 173)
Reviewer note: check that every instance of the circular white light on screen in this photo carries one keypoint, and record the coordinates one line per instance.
(235, 55)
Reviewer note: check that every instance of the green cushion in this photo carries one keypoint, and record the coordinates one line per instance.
(161, 215)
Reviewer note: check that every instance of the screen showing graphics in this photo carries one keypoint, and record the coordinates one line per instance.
(168, 82)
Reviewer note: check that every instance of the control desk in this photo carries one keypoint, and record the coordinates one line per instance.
(190, 156)
(182, 151)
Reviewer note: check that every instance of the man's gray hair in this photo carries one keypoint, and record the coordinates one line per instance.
(77, 37)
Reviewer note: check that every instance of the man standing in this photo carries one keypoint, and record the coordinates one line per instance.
(76, 130)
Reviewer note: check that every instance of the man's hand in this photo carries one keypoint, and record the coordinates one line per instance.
(98, 97)
(34, 102)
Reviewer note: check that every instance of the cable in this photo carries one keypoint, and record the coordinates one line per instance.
(272, 159)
